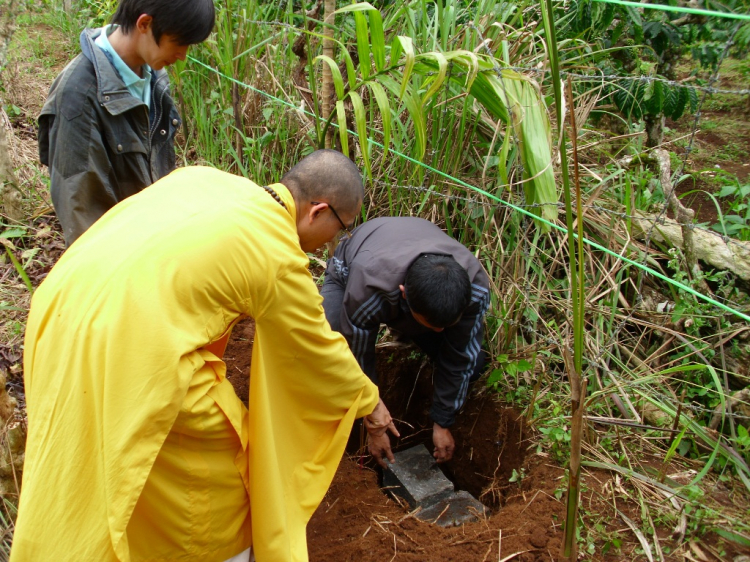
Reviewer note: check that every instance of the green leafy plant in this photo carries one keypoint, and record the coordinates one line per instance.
(636, 99)
(557, 440)
(507, 369)
(742, 442)
(402, 81)
(614, 543)
(517, 475)
(9, 247)
(736, 221)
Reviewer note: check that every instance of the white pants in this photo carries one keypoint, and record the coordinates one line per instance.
(244, 556)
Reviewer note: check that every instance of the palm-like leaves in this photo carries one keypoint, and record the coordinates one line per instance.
(403, 82)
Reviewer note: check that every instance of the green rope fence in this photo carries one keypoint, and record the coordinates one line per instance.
(591, 243)
(678, 9)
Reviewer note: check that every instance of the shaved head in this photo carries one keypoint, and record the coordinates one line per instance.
(326, 175)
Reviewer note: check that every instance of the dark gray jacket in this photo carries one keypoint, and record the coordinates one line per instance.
(369, 267)
(102, 144)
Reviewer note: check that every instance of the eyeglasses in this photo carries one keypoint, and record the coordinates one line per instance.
(338, 218)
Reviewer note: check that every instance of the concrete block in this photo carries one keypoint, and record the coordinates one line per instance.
(455, 510)
(416, 477)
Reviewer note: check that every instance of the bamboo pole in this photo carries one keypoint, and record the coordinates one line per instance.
(569, 549)
(328, 50)
(577, 390)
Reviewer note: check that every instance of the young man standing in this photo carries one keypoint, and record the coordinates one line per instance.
(107, 129)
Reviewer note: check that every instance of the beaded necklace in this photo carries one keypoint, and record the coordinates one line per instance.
(275, 195)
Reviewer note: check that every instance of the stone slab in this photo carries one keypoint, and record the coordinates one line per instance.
(453, 511)
(416, 477)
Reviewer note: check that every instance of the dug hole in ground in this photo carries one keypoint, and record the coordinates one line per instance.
(357, 521)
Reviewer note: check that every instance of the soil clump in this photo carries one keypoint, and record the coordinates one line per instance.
(357, 521)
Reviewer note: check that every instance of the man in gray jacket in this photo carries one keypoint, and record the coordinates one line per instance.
(107, 129)
(408, 274)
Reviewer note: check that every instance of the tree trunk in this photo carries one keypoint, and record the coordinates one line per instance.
(706, 246)
(328, 50)
(683, 215)
(10, 197)
(654, 129)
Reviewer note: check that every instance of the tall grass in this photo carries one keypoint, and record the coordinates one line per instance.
(435, 81)
(398, 95)
(438, 82)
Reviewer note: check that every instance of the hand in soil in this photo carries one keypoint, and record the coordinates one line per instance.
(380, 448)
(378, 424)
(444, 443)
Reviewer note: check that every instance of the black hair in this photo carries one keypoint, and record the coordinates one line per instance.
(189, 21)
(326, 175)
(438, 288)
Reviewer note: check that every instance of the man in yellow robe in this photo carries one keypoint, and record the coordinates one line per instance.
(138, 449)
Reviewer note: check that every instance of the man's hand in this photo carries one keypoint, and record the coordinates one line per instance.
(444, 444)
(378, 424)
(380, 449)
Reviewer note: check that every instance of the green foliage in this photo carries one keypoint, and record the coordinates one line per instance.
(13, 111)
(742, 442)
(508, 370)
(708, 40)
(661, 36)
(8, 515)
(401, 81)
(652, 97)
(742, 39)
(5, 240)
(85, 13)
(592, 20)
(97, 12)
(647, 44)
(556, 440)
(613, 544)
(736, 221)
(517, 476)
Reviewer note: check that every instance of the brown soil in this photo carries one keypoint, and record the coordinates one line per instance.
(358, 522)
(490, 440)
(238, 356)
(702, 163)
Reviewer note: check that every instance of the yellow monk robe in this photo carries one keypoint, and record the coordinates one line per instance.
(121, 357)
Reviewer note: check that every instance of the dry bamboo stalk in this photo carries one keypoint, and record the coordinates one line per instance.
(328, 50)
(576, 427)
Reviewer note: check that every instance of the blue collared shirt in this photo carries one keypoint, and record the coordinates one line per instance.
(139, 87)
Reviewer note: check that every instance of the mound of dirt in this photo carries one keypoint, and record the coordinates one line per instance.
(490, 440)
(357, 521)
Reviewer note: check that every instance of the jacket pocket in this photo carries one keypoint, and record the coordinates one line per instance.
(123, 137)
(128, 156)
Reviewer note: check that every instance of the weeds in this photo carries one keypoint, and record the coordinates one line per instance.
(647, 350)
(7, 518)
(735, 222)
